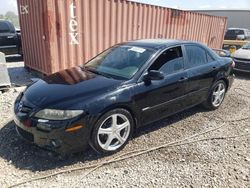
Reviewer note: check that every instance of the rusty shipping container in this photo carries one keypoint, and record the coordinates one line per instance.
(58, 34)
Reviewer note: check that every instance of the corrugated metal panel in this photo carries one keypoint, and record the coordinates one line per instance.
(34, 29)
(61, 34)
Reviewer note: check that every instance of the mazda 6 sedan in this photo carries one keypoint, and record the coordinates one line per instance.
(125, 87)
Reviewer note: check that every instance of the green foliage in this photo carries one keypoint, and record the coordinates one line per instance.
(11, 16)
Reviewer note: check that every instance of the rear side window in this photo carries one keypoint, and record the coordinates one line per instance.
(196, 56)
(170, 61)
(209, 58)
(4, 27)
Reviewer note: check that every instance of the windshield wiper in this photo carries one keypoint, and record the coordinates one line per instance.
(96, 72)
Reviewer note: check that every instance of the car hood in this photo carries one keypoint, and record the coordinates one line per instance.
(242, 53)
(68, 85)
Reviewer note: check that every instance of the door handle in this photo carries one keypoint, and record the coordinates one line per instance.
(183, 79)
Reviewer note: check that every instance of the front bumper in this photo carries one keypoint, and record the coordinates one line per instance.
(242, 65)
(57, 139)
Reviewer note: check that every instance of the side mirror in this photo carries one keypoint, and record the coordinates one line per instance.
(153, 75)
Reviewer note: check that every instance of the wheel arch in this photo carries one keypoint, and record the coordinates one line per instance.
(125, 107)
(221, 76)
(117, 106)
(92, 141)
(225, 80)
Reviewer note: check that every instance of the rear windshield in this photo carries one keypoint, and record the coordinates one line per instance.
(235, 32)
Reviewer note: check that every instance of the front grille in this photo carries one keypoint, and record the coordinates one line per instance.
(28, 136)
(25, 109)
(242, 66)
(241, 59)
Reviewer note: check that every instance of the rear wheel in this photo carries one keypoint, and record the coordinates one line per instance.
(112, 131)
(216, 96)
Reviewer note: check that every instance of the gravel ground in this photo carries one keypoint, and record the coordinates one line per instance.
(210, 163)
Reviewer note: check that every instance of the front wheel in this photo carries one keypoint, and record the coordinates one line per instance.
(216, 96)
(112, 131)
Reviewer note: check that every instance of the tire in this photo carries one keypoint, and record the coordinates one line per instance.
(112, 131)
(218, 92)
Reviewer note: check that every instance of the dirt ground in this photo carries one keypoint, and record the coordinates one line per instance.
(220, 162)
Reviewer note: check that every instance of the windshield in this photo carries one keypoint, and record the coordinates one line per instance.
(120, 62)
(235, 32)
(246, 46)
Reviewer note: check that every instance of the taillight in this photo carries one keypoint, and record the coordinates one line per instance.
(232, 64)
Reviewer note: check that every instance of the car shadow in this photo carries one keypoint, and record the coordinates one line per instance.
(242, 75)
(24, 155)
(14, 58)
(168, 121)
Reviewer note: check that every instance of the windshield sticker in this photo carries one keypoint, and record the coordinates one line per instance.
(137, 49)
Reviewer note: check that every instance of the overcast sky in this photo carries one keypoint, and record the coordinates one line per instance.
(6, 5)
(201, 4)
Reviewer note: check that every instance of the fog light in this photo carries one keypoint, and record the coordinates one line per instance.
(44, 127)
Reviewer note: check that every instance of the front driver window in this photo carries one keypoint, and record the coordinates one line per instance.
(170, 61)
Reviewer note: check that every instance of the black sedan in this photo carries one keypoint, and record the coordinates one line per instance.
(127, 86)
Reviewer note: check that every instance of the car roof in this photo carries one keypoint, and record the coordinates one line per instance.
(5, 21)
(2, 20)
(157, 43)
(237, 28)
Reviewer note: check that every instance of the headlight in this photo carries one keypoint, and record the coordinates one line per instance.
(52, 114)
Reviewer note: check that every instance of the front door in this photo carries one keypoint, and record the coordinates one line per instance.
(163, 97)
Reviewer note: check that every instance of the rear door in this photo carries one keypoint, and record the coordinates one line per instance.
(202, 69)
(8, 38)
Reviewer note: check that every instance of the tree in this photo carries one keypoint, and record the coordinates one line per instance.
(13, 17)
(10, 14)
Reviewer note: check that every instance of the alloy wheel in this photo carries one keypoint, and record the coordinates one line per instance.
(218, 94)
(113, 132)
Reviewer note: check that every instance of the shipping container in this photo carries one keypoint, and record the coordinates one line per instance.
(58, 34)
